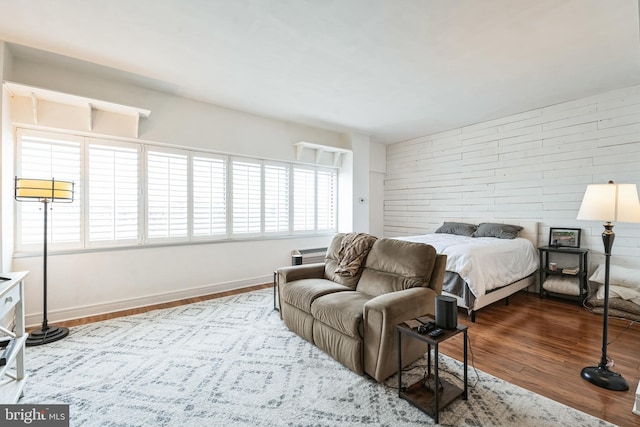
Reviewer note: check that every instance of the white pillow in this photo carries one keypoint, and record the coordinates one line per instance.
(620, 276)
(620, 292)
(562, 285)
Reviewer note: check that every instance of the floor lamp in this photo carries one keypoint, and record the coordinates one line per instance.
(44, 191)
(608, 202)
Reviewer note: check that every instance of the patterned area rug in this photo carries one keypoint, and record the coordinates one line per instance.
(232, 362)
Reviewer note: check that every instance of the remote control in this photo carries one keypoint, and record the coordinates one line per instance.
(435, 332)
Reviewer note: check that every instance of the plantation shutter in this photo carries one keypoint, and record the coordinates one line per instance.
(209, 196)
(113, 193)
(304, 199)
(48, 156)
(326, 205)
(246, 196)
(276, 198)
(167, 195)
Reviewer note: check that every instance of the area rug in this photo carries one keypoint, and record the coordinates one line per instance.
(231, 362)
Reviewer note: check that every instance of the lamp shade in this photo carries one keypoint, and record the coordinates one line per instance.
(37, 190)
(610, 202)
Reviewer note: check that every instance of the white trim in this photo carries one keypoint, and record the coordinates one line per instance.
(34, 319)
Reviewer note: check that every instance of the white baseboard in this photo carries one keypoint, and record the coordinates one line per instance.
(35, 319)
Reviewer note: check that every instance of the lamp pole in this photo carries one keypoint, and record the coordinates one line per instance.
(45, 334)
(45, 322)
(601, 375)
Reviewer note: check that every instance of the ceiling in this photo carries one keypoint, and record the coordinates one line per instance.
(390, 69)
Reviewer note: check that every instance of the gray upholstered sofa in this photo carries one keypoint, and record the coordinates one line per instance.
(354, 319)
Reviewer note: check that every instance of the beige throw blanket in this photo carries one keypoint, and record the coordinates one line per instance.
(353, 251)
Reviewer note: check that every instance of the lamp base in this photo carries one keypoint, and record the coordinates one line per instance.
(603, 377)
(46, 336)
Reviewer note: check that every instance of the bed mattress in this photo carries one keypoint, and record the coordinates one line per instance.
(484, 263)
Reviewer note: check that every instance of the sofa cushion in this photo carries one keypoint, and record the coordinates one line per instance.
(345, 349)
(394, 265)
(301, 293)
(341, 311)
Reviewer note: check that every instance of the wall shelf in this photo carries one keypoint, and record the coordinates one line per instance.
(319, 150)
(37, 94)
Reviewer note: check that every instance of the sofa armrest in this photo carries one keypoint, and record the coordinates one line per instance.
(437, 276)
(396, 307)
(381, 316)
(299, 272)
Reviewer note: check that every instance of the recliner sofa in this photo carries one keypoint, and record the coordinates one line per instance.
(354, 318)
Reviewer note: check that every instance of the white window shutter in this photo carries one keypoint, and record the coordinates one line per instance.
(326, 204)
(113, 193)
(46, 157)
(209, 196)
(276, 198)
(246, 197)
(167, 195)
(304, 199)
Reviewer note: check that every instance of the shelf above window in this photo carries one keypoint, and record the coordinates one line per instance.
(319, 150)
(37, 94)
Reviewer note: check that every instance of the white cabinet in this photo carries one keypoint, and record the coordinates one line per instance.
(12, 373)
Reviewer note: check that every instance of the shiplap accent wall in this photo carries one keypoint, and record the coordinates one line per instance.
(534, 165)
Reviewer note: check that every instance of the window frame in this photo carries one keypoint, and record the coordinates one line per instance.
(171, 152)
(232, 190)
(143, 150)
(210, 237)
(141, 205)
(289, 168)
(79, 196)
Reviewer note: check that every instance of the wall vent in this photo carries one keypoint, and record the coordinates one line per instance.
(307, 256)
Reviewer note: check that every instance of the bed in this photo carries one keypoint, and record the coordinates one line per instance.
(483, 270)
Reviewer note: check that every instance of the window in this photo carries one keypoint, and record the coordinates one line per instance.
(209, 196)
(326, 200)
(314, 199)
(46, 156)
(135, 194)
(167, 195)
(276, 198)
(113, 193)
(247, 199)
(304, 199)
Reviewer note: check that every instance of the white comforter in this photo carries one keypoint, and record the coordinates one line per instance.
(485, 263)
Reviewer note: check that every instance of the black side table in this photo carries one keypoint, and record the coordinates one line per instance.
(580, 275)
(432, 395)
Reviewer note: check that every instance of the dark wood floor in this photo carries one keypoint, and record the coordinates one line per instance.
(543, 344)
(538, 344)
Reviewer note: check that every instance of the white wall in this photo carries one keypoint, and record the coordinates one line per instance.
(377, 169)
(182, 121)
(82, 284)
(6, 161)
(360, 146)
(535, 165)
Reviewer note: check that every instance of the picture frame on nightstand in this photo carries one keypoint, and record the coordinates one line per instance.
(564, 237)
